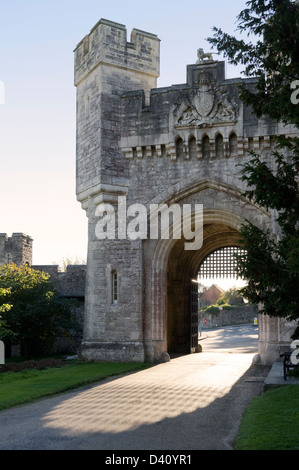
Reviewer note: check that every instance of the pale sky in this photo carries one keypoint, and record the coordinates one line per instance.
(38, 120)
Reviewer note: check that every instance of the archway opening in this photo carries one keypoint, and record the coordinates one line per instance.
(220, 302)
(167, 283)
(183, 268)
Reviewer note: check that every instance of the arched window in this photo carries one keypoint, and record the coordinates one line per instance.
(179, 147)
(219, 146)
(206, 151)
(192, 147)
(233, 145)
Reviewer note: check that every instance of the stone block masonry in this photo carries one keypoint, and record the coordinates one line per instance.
(70, 283)
(17, 248)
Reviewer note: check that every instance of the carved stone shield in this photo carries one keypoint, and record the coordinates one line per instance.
(204, 101)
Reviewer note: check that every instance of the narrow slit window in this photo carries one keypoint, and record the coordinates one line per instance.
(114, 287)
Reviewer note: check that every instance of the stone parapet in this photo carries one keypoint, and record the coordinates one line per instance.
(107, 44)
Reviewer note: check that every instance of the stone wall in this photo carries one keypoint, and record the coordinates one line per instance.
(235, 316)
(70, 284)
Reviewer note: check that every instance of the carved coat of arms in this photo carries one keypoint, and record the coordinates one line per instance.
(204, 100)
(205, 105)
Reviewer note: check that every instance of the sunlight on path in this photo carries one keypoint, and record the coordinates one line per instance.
(167, 390)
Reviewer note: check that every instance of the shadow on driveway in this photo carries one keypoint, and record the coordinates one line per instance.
(193, 402)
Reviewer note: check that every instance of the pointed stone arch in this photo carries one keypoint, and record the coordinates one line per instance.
(206, 146)
(169, 268)
(179, 147)
(233, 144)
(192, 147)
(219, 146)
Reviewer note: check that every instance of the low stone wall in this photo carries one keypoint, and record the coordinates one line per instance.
(70, 284)
(235, 316)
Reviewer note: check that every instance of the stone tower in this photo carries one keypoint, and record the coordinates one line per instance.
(16, 249)
(139, 145)
(107, 66)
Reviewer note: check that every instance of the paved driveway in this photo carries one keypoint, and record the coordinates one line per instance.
(192, 402)
(232, 339)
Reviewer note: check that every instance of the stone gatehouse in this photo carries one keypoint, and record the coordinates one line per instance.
(139, 144)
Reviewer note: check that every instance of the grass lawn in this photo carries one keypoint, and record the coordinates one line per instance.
(30, 384)
(271, 422)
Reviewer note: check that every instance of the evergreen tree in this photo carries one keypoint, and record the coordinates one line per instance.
(271, 54)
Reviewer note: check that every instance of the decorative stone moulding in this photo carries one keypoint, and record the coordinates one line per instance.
(239, 148)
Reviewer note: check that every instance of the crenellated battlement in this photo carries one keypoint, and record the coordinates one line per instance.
(107, 44)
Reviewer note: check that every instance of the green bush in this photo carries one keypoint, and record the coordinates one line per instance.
(215, 310)
(232, 296)
(212, 310)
